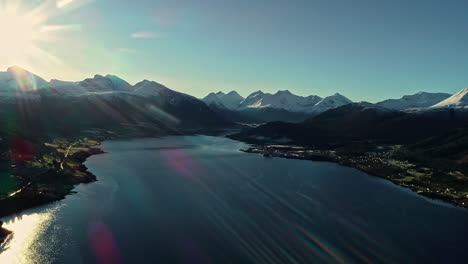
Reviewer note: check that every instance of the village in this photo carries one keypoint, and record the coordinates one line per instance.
(383, 162)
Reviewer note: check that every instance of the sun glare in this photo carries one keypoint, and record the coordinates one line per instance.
(24, 30)
(18, 33)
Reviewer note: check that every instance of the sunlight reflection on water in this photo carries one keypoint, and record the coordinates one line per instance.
(156, 202)
(21, 246)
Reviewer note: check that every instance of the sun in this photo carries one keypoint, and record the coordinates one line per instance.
(18, 33)
(26, 32)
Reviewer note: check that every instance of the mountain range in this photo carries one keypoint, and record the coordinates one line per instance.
(33, 106)
(313, 103)
(148, 99)
(284, 100)
(230, 100)
(419, 100)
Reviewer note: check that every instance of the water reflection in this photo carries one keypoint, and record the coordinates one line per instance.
(165, 201)
(21, 246)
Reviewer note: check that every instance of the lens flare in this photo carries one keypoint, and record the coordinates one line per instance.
(25, 29)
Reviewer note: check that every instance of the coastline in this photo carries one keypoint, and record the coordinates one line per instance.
(60, 182)
(51, 185)
(4, 233)
(428, 189)
(62, 174)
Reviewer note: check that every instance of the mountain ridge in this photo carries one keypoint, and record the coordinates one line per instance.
(418, 100)
(107, 102)
(458, 100)
(18, 82)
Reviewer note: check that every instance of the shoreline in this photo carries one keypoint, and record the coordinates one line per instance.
(62, 180)
(429, 190)
(4, 233)
(51, 185)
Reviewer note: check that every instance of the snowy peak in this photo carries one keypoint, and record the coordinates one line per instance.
(213, 99)
(119, 83)
(21, 80)
(230, 100)
(97, 84)
(419, 100)
(256, 93)
(331, 102)
(106, 83)
(458, 100)
(17, 82)
(149, 88)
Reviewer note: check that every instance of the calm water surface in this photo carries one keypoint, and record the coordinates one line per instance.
(198, 199)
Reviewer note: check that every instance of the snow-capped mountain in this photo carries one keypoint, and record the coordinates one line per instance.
(149, 88)
(330, 102)
(164, 95)
(97, 84)
(230, 100)
(212, 99)
(458, 100)
(418, 100)
(106, 83)
(103, 102)
(281, 100)
(19, 82)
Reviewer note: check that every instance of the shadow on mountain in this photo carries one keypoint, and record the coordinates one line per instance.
(360, 122)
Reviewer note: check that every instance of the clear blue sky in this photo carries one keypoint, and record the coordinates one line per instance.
(365, 49)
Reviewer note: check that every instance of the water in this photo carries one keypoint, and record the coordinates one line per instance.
(199, 200)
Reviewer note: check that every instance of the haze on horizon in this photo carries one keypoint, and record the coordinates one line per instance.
(366, 50)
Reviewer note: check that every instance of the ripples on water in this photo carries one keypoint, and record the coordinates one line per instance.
(28, 228)
(199, 200)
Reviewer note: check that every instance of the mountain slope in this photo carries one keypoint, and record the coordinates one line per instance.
(357, 122)
(330, 102)
(261, 115)
(212, 99)
(108, 83)
(20, 82)
(449, 150)
(418, 100)
(63, 88)
(231, 100)
(458, 100)
(97, 84)
(106, 102)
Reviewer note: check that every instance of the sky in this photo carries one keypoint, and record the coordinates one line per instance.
(364, 49)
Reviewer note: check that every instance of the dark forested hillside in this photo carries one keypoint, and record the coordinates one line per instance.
(358, 122)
